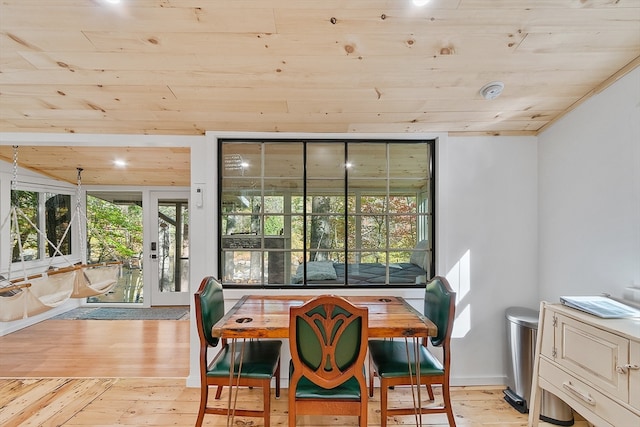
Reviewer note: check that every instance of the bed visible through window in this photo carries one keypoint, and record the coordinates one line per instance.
(326, 213)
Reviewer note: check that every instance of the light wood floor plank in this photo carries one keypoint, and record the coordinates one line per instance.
(160, 402)
(28, 400)
(60, 404)
(10, 389)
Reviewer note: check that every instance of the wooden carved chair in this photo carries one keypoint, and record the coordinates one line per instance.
(260, 358)
(395, 364)
(328, 343)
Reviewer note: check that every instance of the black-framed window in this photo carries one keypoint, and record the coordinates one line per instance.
(326, 213)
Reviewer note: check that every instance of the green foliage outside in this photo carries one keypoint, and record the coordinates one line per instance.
(114, 232)
(379, 219)
(27, 203)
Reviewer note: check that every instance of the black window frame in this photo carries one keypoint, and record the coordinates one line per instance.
(431, 177)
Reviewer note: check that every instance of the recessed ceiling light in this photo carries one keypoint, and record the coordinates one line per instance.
(120, 163)
(420, 2)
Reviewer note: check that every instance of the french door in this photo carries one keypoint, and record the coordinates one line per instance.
(168, 248)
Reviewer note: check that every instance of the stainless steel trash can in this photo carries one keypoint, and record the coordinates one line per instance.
(522, 330)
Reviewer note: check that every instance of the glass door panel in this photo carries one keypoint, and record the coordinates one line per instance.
(114, 232)
(169, 249)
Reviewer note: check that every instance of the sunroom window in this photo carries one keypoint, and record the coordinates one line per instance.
(326, 213)
(43, 222)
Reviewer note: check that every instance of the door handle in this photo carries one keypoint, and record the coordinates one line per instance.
(623, 369)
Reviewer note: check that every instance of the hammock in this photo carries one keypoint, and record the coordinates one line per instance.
(96, 279)
(21, 298)
(36, 294)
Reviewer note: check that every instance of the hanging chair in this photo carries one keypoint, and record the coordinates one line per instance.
(36, 294)
(95, 279)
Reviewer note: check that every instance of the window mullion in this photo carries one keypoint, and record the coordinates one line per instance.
(305, 252)
(345, 211)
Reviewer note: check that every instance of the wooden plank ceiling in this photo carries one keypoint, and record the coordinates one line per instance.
(182, 67)
(152, 166)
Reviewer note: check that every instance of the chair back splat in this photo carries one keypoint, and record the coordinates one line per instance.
(254, 362)
(394, 362)
(328, 343)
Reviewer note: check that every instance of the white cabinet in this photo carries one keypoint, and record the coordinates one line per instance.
(634, 373)
(592, 364)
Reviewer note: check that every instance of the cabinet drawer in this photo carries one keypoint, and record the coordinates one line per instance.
(584, 399)
(593, 355)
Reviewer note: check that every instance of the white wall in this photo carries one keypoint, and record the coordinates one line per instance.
(487, 245)
(203, 246)
(589, 196)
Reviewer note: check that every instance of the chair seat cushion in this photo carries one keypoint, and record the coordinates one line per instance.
(390, 359)
(347, 390)
(259, 359)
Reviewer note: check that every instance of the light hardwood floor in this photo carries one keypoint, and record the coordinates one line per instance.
(132, 373)
(97, 349)
(167, 402)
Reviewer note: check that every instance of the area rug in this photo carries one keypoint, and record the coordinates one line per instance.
(119, 313)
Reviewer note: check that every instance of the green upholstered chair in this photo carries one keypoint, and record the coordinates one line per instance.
(395, 364)
(328, 343)
(260, 358)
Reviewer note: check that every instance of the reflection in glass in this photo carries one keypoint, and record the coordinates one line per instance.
(325, 160)
(283, 159)
(367, 161)
(241, 159)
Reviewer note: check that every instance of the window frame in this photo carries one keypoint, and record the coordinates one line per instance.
(428, 217)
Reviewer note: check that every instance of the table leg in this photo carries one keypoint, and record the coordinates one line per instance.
(416, 342)
(231, 409)
(417, 406)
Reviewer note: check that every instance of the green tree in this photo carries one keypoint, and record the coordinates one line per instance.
(27, 202)
(114, 232)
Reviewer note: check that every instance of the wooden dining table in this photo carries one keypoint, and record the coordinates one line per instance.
(260, 316)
